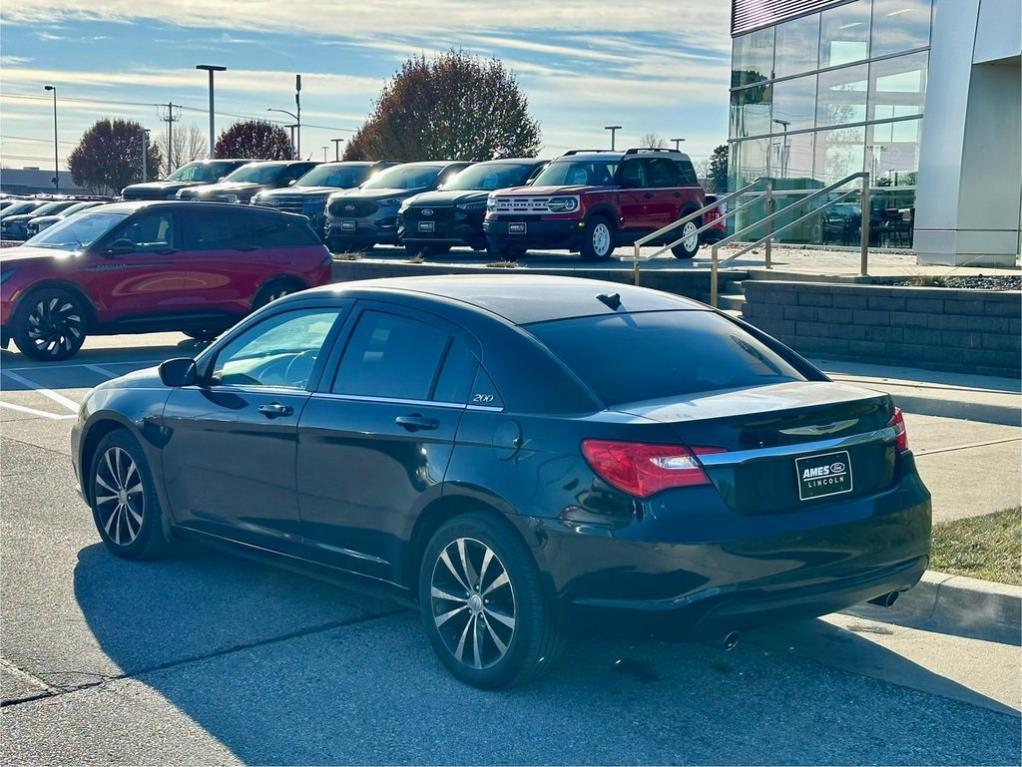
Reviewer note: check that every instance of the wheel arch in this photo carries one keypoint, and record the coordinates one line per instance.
(604, 210)
(53, 283)
(278, 279)
(98, 427)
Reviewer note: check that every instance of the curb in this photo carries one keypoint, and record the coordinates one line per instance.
(968, 606)
(1004, 415)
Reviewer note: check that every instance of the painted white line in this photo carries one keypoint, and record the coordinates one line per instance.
(60, 399)
(33, 411)
(101, 370)
(82, 365)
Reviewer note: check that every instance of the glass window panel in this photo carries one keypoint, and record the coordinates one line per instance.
(839, 153)
(844, 34)
(892, 153)
(899, 25)
(752, 57)
(794, 104)
(791, 156)
(897, 87)
(748, 162)
(750, 111)
(796, 46)
(842, 96)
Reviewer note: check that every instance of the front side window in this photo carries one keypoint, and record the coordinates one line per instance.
(278, 352)
(393, 357)
(150, 232)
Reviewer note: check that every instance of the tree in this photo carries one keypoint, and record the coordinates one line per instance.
(717, 172)
(454, 105)
(109, 156)
(188, 145)
(254, 140)
(652, 141)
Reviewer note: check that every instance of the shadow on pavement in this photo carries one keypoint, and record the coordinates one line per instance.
(282, 669)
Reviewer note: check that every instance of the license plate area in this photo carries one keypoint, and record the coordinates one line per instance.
(517, 227)
(349, 225)
(823, 475)
(427, 227)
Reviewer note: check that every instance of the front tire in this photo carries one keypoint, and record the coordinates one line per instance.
(689, 246)
(271, 291)
(50, 325)
(123, 497)
(597, 239)
(483, 605)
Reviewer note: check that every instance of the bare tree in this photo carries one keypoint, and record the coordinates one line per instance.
(188, 145)
(653, 141)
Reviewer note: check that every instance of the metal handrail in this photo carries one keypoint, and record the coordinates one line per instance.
(637, 257)
(773, 233)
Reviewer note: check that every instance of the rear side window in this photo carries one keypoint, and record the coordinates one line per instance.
(391, 356)
(688, 173)
(272, 231)
(654, 355)
(225, 229)
(663, 173)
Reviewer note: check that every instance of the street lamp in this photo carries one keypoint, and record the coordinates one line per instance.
(785, 146)
(677, 144)
(211, 69)
(337, 148)
(613, 133)
(56, 153)
(296, 148)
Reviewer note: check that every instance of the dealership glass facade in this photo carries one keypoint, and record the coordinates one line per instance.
(818, 97)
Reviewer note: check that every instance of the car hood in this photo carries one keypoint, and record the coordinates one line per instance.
(233, 187)
(376, 194)
(302, 191)
(19, 219)
(146, 378)
(441, 198)
(548, 191)
(162, 187)
(26, 253)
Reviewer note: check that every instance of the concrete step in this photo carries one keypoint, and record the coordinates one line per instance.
(730, 301)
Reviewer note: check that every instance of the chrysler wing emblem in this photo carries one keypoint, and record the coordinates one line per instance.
(816, 431)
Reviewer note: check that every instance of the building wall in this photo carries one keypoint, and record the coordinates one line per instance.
(36, 180)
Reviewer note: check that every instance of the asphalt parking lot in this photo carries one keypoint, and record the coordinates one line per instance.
(202, 657)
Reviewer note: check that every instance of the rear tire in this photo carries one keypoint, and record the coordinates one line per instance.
(488, 620)
(503, 251)
(273, 290)
(205, 336)
(688, 247)
(597, 239)
(123, 498)
(50, 324)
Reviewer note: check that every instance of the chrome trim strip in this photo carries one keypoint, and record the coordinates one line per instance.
(411, 402)
(739, 457)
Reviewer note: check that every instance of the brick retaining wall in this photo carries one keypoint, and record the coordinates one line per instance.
(970, 331)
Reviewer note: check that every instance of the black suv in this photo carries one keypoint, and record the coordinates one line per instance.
(191, 174)
(357, 219)
(432, 222)
(309, 194)
(244, 183)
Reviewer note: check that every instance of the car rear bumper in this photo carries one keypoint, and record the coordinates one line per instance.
(626, 582)
(539, 233)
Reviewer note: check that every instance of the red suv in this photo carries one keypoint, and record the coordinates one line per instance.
(593, 201)
(147, 266)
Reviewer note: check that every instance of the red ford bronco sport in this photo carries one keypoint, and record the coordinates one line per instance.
(592, 201)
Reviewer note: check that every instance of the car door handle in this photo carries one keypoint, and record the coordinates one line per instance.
(276, 410)
(417, 422)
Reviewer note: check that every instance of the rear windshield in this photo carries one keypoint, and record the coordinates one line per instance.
(655, 355)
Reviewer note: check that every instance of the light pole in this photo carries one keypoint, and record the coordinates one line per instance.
(298, 117)
(211, 69)
(337, 148)
(324, 153)
(296, 148)
(785, 146)
(56, 152)
(613, 134)
(145, 155)
(677, 144)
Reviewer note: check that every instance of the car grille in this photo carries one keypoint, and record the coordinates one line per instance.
(439, 215)
(292, 203)
(524, 205)
(352, 208)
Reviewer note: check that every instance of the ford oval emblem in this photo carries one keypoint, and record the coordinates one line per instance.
(427, 211)
(349, 207)
(837, 468)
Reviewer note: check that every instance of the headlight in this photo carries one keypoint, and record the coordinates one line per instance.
(562, 204)
(491, 202)
(476, 205)
(6, 275)
(404, 205)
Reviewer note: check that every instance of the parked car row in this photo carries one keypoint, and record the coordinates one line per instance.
(586, 201)
(21, 218)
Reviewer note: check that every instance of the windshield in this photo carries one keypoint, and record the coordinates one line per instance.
(578, 172)
(18, 208)
(405, 177)
(79, 232)
(51, 208)
(201, 171)
(258, 173)
(339, 176)
(77, 207)
(487, 176)
(655, 355)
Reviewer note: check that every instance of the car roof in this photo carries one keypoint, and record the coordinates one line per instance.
(522, 299)
(514, 160)
(133, 205)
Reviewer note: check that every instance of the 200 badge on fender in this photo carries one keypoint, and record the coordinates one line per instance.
(676, 470)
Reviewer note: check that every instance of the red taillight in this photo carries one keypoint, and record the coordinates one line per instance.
(641, 469)
(901, 436)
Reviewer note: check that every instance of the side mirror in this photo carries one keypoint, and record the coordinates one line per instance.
(292, 182)
(530, 181)
(221, 179)
(178, 372)
(120, 248)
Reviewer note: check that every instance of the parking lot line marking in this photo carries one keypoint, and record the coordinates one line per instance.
(60, 399)
(79, 365)
(100, 369)
(33, 411)
(935, 450)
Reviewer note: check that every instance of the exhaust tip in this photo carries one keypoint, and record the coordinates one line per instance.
(731, 640)
(886, 600)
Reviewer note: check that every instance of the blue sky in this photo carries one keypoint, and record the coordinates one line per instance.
(652, 66)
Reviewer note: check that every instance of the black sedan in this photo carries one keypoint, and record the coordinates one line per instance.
(518, 456)
(432, 222)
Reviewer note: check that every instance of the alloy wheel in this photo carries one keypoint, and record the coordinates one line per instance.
(601, 239)
(54, 327)
(473, 603)
(120, 496)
